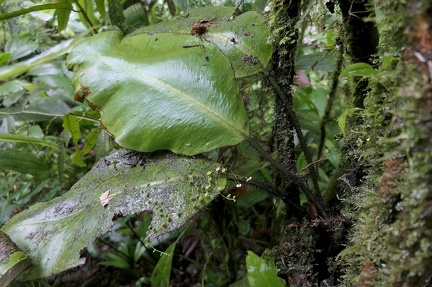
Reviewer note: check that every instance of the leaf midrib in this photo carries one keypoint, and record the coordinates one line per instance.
(216, 117)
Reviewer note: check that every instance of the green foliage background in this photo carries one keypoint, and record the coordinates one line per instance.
(63, 153)
(49, 140)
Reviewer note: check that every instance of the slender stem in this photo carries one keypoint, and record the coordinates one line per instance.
(299, 133)
(128, 224)
(171, 7)
(84, 13)
(124, 255)
(287, 173)
(260, 149)
(332, 94)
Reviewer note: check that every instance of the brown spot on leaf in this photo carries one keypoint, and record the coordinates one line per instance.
(201, 27)
(82, 93)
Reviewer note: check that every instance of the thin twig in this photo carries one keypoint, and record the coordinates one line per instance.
(139, 239)
(287, 173)
(317, 161)
(124, 255)
(84, 13)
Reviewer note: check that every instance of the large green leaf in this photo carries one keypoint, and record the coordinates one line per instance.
(242, 39)
(163, 88)
(243, 42)
(161, 91)
(172, 187)
(183, 24)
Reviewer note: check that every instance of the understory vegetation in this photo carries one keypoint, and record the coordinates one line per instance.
(215, 143)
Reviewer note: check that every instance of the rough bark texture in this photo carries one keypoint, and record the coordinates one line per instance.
(391, 207)
(293, 256)
(306, 246)
(387, 155)
(286, 13)
(361, 39)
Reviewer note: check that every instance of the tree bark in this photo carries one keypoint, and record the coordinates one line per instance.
(387, 152)
(298, 256)
(361, 39)
(391, 207)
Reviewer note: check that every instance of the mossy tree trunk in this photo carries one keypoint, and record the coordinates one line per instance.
(361, 39)
(378, 232)
(391, 242)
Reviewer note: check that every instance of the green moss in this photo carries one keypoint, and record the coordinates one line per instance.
(391, 241)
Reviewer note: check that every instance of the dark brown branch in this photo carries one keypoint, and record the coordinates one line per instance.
(171, 7)
(292, 178)
(308, 155)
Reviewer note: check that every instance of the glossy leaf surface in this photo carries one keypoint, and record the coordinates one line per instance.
(163, 91)
(359, 69)
(173, 85)
(243, 42)
(172, 187)
(261, 273)
(184, 24)
(242, 39)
